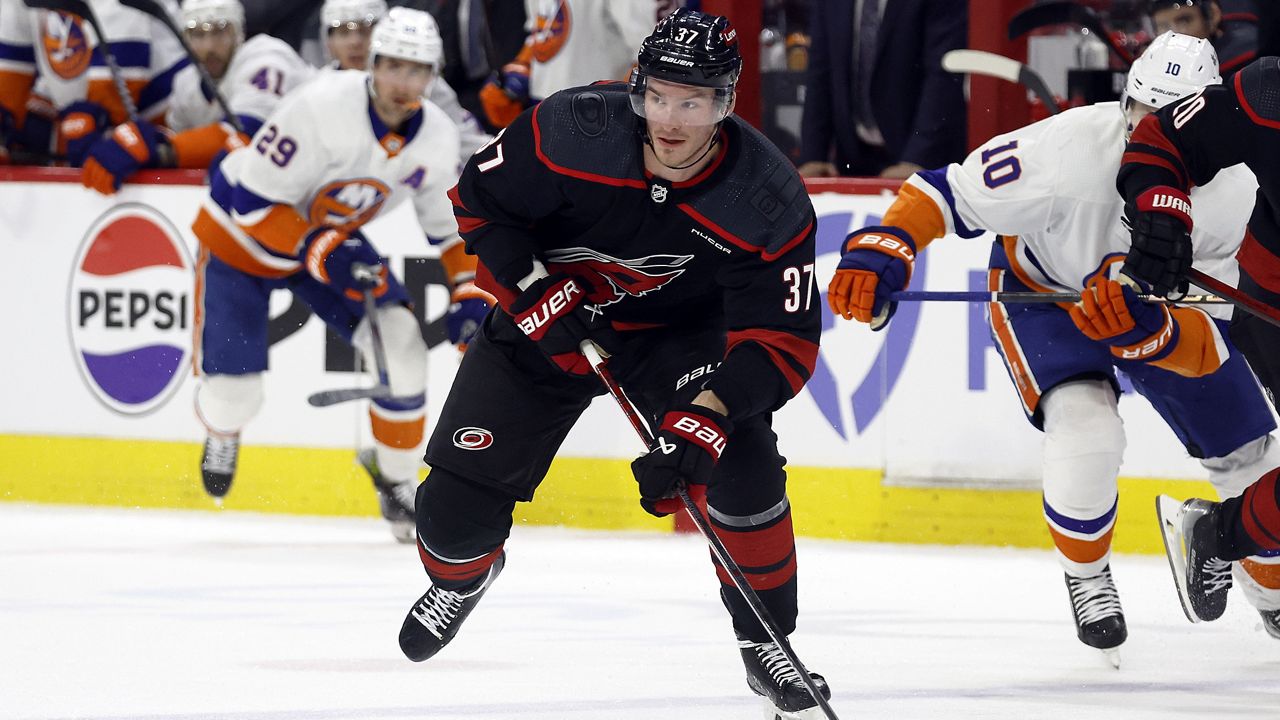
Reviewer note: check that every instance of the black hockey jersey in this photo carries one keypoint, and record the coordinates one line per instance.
(1187, 142)
(732, 247)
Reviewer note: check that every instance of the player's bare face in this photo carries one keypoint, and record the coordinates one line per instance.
(1186, 20)
(349, 45)
(399, 86)
(213, 45)
(681, 120)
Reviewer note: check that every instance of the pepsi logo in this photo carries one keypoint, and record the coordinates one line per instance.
(129, 309)
(348, 204)
(472, 438)
(65, 44)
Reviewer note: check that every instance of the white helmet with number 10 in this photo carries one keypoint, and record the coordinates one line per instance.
(1172, 67)
(407, 34)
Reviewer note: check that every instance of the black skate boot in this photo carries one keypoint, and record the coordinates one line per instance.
(436, 617)
(770, 675)
(394, 498)
(1099, 618)
(218, 466)
(1190, 539)
(1271, 622)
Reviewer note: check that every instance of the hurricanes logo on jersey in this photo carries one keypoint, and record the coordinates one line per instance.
(609, 279)
(348, 204)
(66, 46)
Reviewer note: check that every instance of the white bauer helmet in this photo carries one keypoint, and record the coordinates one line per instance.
(1172, 67)
(213, 14)
(337, 13)
(407, 34)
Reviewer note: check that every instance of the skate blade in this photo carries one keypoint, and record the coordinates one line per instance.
(404, 532)
(1112, 656)
(773, 713)
(1168, 511)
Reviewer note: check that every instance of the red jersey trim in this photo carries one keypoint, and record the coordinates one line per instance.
(1244, 103)
(580, 174)
(777, 343)
(1239, 61)
(769, 256)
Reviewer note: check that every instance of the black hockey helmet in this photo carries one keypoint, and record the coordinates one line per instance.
(690, 48)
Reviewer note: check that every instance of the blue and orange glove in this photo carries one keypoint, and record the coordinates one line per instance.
(468, 306)
(689, 444)
(553, 312)
(79, 126)
(330, 254)
(1160, 236)
(1111, 312)
(115, 158)
(506, 94)
(876, 263)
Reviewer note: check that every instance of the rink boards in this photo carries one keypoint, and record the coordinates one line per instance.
(914, 434)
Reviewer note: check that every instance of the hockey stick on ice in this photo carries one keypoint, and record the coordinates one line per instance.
(367, 275)
(717, 548)
(1235, 297)
(154, 9)
(980, 62)
(980, 296)
(1064, 12)
(82, 9)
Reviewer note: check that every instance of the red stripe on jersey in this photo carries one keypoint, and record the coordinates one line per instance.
(805, 353)
(1239, 61)
(1151, 132)
(1146, 158)
(761, 550)
(706, 171)
(456, 572)
(485, 281)
(580, 174)
(786, 248)
(468, 222)
(1244, 103)
(717, 229)
(1261, 264)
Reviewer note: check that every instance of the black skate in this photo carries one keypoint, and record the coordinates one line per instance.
(218, 466)
(394, 498)
(1202, 579)
(771, 676)
(436, 617)
(1271, 622)
(1099, 617)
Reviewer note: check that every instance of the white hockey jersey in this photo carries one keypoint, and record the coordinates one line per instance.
(1052, 185)
(577, 42)
(323, 158)
(262, 71)
(58, 48)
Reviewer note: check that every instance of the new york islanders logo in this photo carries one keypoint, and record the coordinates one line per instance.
(129, 309)
(552, 26)
(610, 279)
(348, 204)
(65, 44)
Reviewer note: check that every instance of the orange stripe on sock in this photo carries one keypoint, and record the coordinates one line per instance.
(1082, 551)
(1268, 576)
(398, 434)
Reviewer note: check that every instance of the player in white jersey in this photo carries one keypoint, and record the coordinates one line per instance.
(252, 76)
(75, 98)
(346, 26)
(570, 43)
(1047, 190)
(286, 211)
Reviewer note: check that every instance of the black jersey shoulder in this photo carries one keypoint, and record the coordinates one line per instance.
(590, 133)
(1258, 88)
(759, 198)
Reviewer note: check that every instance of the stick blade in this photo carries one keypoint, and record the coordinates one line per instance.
(979, 62)
(325, 398)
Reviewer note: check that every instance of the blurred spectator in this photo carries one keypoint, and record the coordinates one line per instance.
(289, 20)
(1230, 25)
(877, 101)
(479, 37)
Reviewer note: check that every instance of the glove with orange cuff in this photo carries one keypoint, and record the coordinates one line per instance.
(79, 126)
(877, 262)
(689, 444)
(506, 94)
(116, 157)
(330, 255)
(468, 305)
(1112, 312)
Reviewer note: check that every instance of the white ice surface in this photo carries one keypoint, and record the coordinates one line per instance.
(184, 615)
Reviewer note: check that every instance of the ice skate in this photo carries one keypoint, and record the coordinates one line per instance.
(1201, 578)
(770, 675)
(1099, 617)
(394, 498)
(218, 465)
(436, 617)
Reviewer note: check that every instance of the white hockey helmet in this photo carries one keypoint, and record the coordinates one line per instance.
(407, 34)
(336, 13)
(1172, 67)
(212, 14)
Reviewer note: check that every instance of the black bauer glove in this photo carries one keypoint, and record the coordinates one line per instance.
(554, 314)
(689, 444)
(1160, 253)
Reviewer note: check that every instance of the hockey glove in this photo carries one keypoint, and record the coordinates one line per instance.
(116, 157)
(505, 95)
(80, 125)
(1111, 312)
(329, 255)
(689, 444)
(1160, 254)
(553, 312)
(877, 262)
(468, 307)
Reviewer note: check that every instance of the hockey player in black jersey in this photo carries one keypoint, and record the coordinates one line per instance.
(1183, 145)
(646, 218)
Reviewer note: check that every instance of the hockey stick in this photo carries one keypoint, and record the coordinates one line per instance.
(367, 275)
(1235, 297)
(980, 62)
(82, 9)
(717, 548)
(980, 296)
(1064, 12)
(153, 8)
